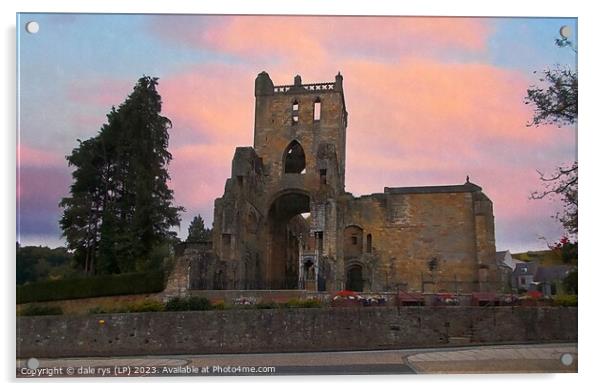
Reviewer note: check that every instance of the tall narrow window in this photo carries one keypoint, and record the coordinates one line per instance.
(369, 243)
(323, 176)
(320, 240)
(295, 115)
(226, 245)
(317, 109)
(294, 158)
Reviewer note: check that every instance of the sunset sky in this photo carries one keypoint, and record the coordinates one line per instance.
(430, 100)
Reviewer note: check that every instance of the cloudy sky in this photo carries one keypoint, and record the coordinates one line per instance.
(430, 101)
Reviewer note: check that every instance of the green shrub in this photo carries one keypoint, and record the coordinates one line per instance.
(220, 306)
(296, 303)
(192, 303)
(105, 285)
(98, 310)
(266, 306)
(199, 304)
(175, 304)
(145, 306)
(38, 310)
(566, 300)
(570, 282)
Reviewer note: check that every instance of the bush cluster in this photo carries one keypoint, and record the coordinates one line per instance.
(79, 288)
(188, 304)
(146, 305)
(566, 300)
(266, 306)
(296, 303)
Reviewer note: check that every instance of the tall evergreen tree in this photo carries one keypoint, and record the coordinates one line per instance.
(82, 217)
(197, 231)
(120, 206)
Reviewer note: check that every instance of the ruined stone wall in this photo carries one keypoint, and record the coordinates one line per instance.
(409, 230)
(288, 330)
(450, 227)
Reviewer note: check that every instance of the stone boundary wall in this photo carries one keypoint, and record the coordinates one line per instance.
(83, 306)
(289, 330)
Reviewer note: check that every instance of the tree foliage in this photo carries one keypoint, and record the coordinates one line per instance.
(562, 183)
(555, 102)
(120, 206)
(37, 263)
(197, 231)
(571, 282)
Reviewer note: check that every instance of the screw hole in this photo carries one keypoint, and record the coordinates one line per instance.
(32, 27)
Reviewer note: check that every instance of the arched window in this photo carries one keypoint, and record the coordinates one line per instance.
(294, 158)
(317, 109)
(369, 243)
(295, 113)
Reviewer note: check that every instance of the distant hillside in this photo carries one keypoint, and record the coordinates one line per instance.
(543, 257)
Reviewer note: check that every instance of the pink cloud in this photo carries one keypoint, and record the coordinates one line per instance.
(416, 118)
(198, 174)
(211, 102)
(314, 38)
(211, 108)
(415, 121)
(35, 157)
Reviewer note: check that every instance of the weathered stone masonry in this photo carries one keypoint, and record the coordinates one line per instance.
(285, 220)
(293, 330)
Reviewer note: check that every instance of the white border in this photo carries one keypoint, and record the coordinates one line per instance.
(589, 144)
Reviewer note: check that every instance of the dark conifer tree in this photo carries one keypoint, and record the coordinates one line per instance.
(197, 231)
(121, 207)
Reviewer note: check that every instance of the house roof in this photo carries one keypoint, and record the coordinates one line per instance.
(504, 259)
(500, 256)
(525, 269)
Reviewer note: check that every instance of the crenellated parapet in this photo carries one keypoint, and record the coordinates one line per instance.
(313, 87)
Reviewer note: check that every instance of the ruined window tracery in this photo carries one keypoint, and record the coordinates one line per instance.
(294, 158)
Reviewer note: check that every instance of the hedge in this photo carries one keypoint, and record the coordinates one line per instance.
(188, 304)
(38, 310)
(79, 288)
(566, 300)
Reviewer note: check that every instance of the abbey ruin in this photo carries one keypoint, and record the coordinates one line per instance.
(285, 220)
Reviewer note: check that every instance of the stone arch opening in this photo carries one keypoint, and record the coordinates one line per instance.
(288, 231)
(355, 278)
(294, 158)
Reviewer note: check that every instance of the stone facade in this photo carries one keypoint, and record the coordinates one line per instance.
(285, 220)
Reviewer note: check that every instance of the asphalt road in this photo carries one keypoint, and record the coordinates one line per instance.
(532, 358)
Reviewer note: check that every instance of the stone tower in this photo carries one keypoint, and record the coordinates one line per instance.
(285, 187)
